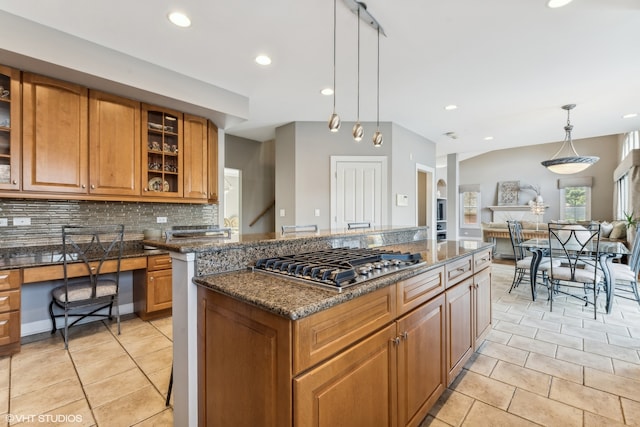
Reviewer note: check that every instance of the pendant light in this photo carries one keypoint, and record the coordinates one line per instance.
(570, 164)
(358, 131)
(377, 136)
(334, 120)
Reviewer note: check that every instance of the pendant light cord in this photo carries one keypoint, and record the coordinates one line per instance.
(334, 55)
(378, 87)
(358, 110)
(567, 136)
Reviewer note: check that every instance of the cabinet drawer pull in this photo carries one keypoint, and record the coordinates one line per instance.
(3, 298)
(3, 322)
(3, 276)
(405, 335)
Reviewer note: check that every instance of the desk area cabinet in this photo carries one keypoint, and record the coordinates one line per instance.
(10, 281)
(152, 281)
(152, 292)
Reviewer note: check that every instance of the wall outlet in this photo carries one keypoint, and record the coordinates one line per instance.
(4, 222)
(21, 221)
(281, 212)
(161, 219)
(316, 212)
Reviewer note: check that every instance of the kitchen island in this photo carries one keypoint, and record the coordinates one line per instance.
(252, 349)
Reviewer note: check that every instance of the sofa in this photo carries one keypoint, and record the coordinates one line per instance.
(498, 233)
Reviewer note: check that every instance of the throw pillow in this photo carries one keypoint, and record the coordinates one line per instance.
(605, 229)
(619, 230)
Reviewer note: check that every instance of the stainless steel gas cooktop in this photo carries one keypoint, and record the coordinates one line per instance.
(338, 268)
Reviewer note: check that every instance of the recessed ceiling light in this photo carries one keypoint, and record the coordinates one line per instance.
(327, 91)
(488, 138)
(263, 60)
(554, 4)
(179, 19)
(451, 107)
(630, 115)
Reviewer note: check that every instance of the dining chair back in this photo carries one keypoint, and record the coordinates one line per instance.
(626, 275)
(91, 258)
(574, 253)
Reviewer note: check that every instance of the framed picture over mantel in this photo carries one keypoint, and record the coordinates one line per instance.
(508, 193)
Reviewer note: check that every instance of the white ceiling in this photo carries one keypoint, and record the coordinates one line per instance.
(508, 64)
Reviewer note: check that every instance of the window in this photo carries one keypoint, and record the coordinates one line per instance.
(469, 206)
(575, 203)
(622, 192)
(575, 198)
(631, 141)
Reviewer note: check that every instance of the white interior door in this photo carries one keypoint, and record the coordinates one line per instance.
(358, 190)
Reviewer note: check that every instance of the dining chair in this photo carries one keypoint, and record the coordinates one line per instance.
(574, 253)
(522, 260)
(91, 259)
(626, 275)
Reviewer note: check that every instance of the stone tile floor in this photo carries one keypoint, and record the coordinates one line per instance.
(536, 367)
(104, 379)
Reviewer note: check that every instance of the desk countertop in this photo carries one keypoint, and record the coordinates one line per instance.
(47, 256)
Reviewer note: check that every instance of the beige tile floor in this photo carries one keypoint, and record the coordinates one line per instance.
(536, 367)
(104, 379)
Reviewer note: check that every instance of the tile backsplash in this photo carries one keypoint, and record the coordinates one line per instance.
(48, 216)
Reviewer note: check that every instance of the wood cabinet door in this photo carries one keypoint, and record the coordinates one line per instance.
(244, 364)
(10, 132)
(114, 145)
(460, 337)
(196, 160)
(357, 388)
(213, 163)
(54, 132)
(159, 291)
(482, 305)
(421, 361)
(162, 152)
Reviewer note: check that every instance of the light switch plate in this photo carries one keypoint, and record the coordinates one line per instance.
(402, 200)
(161, 219)
(21, 221)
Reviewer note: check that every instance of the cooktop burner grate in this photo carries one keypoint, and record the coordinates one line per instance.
(338, 268)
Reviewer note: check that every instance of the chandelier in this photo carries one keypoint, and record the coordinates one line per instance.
(569, 164)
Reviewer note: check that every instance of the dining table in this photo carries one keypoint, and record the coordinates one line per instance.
(607, 251)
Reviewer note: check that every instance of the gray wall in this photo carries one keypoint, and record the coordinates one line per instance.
(303, 161)
(523, 164)
(256, 160)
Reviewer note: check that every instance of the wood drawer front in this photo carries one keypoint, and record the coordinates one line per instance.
(459, 270)
(481, 260)
(325, 333)
(55, 272)
(159, 262)
(9, 279)
(419, 289)
(9, 327)
(9, 300)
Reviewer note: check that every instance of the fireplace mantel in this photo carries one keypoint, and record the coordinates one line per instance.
(504, 213)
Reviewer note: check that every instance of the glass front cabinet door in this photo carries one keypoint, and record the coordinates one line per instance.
(162, 147)
(10, 128)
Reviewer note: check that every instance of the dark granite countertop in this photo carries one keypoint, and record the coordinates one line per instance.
(39, 256)
(294, 299)
(204, 244)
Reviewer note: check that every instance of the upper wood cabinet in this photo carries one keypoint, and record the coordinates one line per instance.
(213, 163)
(54, 131)
(195, 157)
(162, 152)
(10, 135)
(114, 145)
